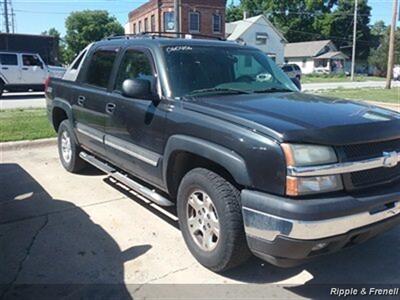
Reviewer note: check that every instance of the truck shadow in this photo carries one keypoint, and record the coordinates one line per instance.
(51, 248)
(375, 262)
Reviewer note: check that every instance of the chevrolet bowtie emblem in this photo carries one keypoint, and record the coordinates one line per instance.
(391, 159)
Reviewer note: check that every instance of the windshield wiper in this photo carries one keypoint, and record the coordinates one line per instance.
(273, 90)
(210, 90)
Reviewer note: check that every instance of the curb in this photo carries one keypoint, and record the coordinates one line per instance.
(23, 145)
(392, 106)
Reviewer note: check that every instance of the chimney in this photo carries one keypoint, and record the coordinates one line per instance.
(244, 15)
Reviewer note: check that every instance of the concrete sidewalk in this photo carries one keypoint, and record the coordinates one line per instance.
(57, 228)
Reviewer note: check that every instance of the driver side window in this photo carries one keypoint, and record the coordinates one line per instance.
(135, 65)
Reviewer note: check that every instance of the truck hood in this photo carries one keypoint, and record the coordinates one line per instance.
(300, 117)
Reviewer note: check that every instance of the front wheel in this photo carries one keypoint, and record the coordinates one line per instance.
(68, 149)
(211, 221)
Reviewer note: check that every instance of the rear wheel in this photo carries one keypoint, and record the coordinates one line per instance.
(68, 149)
(210, 219)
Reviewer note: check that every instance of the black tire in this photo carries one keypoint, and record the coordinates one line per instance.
(75, 164)
(231, 249)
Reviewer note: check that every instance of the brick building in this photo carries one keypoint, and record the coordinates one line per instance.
(196, 16)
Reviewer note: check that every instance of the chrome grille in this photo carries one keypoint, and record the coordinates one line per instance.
(371, 177)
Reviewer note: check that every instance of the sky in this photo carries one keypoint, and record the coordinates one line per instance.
(36, 16)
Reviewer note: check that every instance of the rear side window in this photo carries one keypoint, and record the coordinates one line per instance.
(100, 67)
(296, 67)
(8, 59)
(135, 65)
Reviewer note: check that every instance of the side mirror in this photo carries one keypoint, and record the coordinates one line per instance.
(137, 88)
(296, 82)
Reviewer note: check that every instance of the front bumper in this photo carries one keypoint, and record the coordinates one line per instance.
(287, 232)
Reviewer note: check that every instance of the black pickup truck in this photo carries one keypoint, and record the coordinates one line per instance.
(252, 164)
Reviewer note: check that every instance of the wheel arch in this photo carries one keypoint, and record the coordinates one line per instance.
(61, 111)
(183, 153)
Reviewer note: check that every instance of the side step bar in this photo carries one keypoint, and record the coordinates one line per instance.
(137, 187)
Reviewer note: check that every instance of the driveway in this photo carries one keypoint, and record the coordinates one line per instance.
(60, 228)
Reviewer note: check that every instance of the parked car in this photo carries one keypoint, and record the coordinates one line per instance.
(220, 131)
(294, 73)
(21, 72)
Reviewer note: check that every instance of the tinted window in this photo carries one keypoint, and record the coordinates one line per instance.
(169, 22)
(194, 68)
(9, 59)
(287, 68)
(194, 22)
(135, 65)
(296, 67)
(100, 67)
(217, 23)
(30, 60)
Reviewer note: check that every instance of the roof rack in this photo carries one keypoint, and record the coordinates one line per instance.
(162, 34)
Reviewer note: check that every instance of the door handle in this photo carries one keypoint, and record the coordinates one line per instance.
(4, 68)
(110, 108)
(81, 100)
(25, 69)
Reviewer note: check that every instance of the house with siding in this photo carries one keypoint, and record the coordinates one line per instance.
(258, 32)
(316, 57)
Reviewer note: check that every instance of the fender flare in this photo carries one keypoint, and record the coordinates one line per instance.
(223, 156)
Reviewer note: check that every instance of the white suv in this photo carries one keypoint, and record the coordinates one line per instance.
(22, 72)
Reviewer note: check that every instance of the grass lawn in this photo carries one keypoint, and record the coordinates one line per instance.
(372, 94)
(24, 124)
(322, 78)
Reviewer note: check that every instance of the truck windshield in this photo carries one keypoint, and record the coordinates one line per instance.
(204, 71)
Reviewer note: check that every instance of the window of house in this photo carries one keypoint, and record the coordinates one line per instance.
(217, 23)
(140, 26)
(261, 38)
(30, 60)
(320, 63)
(100, 67)
(8, 59)
(135, 65)
(194, 21)
(134, 28)
(146, 28)
(169, 21)
(153, 23)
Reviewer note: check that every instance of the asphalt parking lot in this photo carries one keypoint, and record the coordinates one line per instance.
(60, 228)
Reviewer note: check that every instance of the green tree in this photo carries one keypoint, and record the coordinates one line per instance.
(234, 12)
(60, 56)
(88, 26)
(379, 56)
(340, 27)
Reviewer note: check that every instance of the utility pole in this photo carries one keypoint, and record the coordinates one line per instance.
(177, 17)
(390, 64)
(6, 16)
(353, 56)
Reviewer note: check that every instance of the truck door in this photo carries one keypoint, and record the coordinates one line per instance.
(91, 96)
(135, 137)
(34, 71)
(9, 68)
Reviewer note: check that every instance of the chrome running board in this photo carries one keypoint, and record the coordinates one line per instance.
(137, 187)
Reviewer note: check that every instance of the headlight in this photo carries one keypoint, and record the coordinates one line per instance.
(308, 155)
(298, 155)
